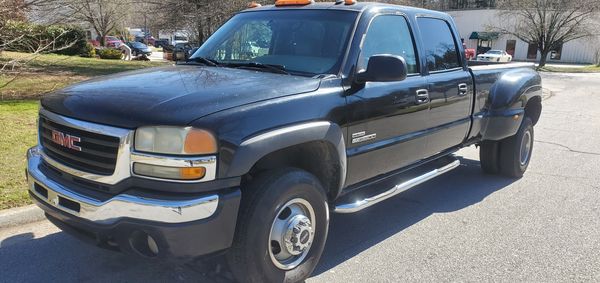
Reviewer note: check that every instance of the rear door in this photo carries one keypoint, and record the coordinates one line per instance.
(450, 85)
(386, 119)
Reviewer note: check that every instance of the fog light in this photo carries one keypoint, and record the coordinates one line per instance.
(143, 243)
(177, 173)
(152, 245)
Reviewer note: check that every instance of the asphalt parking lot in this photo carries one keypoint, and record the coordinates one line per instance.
(463, 226)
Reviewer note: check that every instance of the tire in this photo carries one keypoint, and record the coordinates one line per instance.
(515, 152)
(265, 204)
(488, 157)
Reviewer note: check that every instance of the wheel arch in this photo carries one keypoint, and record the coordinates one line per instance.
(516, 94)
(317, 147)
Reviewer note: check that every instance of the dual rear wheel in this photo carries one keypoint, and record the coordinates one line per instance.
(510, 156)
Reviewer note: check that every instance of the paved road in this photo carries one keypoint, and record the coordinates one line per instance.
(464, 226)
(157, 55)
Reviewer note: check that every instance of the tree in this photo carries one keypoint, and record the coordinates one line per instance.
(199, 17)
(17, 34)
(102, 15)
(549, 23)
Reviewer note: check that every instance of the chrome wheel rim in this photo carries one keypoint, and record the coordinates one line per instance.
(525, 151)
(292, 234)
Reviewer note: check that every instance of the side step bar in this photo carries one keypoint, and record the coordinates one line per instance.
(364, 203)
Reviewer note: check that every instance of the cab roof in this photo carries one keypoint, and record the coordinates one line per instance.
(358, 7)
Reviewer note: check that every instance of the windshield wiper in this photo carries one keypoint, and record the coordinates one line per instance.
(279, 69)
(205, 61)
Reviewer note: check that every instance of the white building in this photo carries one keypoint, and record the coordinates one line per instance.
(476, 23)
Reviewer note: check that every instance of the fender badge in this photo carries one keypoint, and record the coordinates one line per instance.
(364, 138)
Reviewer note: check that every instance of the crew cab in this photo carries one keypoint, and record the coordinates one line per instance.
(247, 154)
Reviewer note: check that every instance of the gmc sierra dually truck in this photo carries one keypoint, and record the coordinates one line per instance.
(246, 151)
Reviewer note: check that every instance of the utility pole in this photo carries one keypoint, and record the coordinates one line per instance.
(145, 29)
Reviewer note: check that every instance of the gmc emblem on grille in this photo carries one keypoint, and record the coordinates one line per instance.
(65, 140)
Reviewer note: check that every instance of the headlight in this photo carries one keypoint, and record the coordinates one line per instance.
(175, 140)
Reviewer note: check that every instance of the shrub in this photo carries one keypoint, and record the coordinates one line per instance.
(62, 39)
(73, 35)
(110, 53)
(89, 51)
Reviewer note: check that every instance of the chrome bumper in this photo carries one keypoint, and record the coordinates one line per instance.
(116, 208)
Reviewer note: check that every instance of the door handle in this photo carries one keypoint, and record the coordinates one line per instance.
(422, 96)
(462, 89)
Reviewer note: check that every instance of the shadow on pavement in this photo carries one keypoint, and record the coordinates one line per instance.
(60, 257)
(350, 234)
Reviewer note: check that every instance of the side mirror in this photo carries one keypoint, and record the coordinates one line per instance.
(383, 68)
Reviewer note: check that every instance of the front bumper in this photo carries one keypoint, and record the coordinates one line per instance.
(179, 227)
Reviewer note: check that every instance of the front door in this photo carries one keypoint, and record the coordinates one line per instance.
(386, 119)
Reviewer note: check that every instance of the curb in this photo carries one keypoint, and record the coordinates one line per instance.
(20, 215)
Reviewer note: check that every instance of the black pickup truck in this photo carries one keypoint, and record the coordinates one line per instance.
(286, 114)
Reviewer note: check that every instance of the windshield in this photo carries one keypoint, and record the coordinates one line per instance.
(139, 45)
(306, 42)
(494, 52)
(180, 38)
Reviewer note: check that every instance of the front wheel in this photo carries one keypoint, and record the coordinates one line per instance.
(282, 228)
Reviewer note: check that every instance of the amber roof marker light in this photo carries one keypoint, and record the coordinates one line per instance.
(349, 2)
(293, 2)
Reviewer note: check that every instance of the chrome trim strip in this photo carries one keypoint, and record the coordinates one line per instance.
(208, 162)
(120, 206)
(364, 203)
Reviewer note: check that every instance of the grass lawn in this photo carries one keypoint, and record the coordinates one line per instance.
(17, 134)
(50, 72)
(19, 106)
(586, 69)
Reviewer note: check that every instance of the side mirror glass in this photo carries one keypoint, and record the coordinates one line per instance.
(383, 68)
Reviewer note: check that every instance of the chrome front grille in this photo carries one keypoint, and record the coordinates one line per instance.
(106, 154)
(98, 153)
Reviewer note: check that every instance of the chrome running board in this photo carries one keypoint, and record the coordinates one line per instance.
(364, 203)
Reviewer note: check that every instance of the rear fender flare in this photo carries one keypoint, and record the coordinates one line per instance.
(505, 107)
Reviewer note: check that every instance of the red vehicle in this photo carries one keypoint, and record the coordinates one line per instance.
(112, 41)
(470, 53)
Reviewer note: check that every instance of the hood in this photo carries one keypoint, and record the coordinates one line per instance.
(173, 95)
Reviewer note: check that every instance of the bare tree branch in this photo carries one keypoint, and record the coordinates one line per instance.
(549, 23)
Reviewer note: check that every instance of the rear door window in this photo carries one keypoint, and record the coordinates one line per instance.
(439, 45)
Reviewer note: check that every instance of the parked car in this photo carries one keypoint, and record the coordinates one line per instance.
(161, 42)
(495, 56)
(150, 40)
(249, 156)
(112, 41)
(182, 51)
(138, 48)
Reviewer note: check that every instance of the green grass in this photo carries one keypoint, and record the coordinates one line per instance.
(19, 106)
(49, 72)
(586, 69)
(17, 133)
